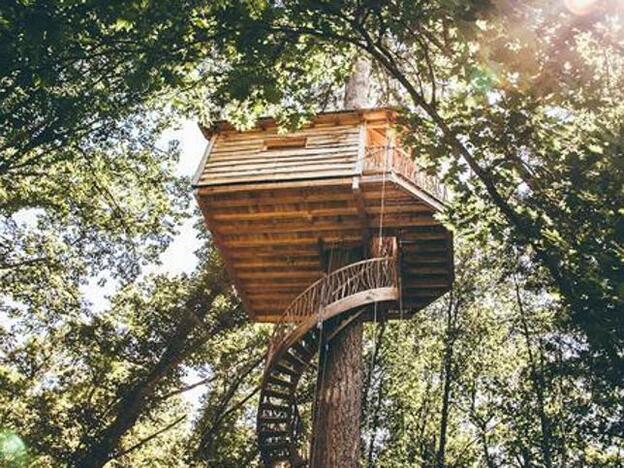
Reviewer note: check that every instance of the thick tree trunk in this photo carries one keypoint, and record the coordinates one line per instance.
(336, 425)
(336, 441)
(336, 432)
(356, 90)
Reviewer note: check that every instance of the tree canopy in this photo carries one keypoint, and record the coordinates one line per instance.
(517, 105)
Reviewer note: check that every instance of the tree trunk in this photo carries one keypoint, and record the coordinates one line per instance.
(336, 428)
(336, 425)
(336, 440)
(356, 90)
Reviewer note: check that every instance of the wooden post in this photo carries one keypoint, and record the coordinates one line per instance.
(336, 425)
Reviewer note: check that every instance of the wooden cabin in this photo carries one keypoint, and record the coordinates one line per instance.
(276, 203)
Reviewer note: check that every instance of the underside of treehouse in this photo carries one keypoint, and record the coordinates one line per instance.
(277, 204)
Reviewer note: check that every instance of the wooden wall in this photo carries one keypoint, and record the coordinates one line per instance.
(321, 151)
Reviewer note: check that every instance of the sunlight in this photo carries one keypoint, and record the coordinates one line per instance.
(581, 7)
(12, 448)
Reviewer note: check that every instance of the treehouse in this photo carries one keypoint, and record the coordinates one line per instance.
(283, 207)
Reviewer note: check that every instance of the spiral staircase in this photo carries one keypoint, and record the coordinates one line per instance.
(295, 342)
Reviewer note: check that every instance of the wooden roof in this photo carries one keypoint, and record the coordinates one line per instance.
(333, 118)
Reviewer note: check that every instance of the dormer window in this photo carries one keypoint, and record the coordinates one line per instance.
(278, 143)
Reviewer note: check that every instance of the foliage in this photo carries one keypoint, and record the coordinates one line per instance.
(73, 69)
(517, 104)
(493, 343)
(64, 387)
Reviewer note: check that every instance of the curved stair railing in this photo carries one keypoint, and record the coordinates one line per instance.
(295, 341)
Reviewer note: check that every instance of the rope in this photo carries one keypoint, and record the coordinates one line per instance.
(380, 240)
(383, 191)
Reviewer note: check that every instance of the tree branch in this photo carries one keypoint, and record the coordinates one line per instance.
(147, 439)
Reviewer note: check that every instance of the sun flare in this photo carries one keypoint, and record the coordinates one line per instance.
(581, 7)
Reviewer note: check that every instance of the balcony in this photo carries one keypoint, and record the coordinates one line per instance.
(380, 159)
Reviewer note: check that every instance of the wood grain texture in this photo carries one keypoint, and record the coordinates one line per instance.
(309, 153)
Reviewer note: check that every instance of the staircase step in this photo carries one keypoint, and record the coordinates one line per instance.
(273, 419)
(272, 407)
(276, 446)
(303, 351)
(287, 370)
(295, 360)
(311, 339)
(274, 394)
(273, 433)
(273, 380)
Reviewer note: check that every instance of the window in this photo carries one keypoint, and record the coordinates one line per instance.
(277, 143)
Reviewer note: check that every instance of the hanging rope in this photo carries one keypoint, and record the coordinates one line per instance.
(387, 151)
(383, 189)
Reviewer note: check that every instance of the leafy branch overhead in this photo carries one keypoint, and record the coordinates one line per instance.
(519, 106)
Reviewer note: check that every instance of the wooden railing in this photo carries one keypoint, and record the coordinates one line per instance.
(358, 277)
(389, 158)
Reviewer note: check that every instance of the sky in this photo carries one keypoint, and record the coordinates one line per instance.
(178, 257)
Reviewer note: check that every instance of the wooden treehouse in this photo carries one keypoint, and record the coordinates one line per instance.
(279, 207)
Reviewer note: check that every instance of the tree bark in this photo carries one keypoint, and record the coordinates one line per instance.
(356, 89)
(336, 424)
(336, 439)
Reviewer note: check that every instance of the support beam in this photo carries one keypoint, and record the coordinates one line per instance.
(361, 208)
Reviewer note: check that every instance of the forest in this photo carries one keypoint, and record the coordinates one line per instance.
(518, 106)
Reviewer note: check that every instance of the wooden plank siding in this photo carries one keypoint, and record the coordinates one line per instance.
(244, 157)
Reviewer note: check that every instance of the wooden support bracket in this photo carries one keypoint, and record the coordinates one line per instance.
(361, 210)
